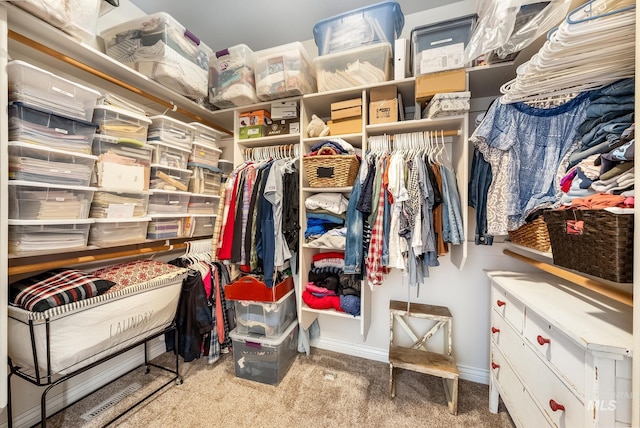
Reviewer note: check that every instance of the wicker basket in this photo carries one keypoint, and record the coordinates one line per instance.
(603, 249)
(532, 235)
(331, 170)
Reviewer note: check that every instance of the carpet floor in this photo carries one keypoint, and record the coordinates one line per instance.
(324, 389)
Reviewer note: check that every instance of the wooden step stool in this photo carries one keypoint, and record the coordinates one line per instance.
(416, 357)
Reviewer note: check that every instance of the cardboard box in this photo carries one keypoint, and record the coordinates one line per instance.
(251, 118)
(383, 111)
(253, 131)
(345, 126)
(284, 110)
(428, 85)
(346, 109)
(381, 93)
(283, 126)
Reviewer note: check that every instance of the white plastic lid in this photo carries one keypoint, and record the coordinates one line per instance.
(49, 185)
(122, 220)
(41, 148)
(262, 340)
(13, 222)
(160, 166)
(123, 111)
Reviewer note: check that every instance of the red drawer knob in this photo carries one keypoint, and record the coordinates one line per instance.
(495, 330)
(555, 406)
(542, 340)
(494, 365)
(501, 303)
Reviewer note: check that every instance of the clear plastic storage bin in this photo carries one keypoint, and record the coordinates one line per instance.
(440, 46)
(42, 89)
(226, 166)
(203, 225)
(167, 202)
(167, 178)
(78, 18)
(108, 232)
(136, 152)
(168, 155)
(380, 22)
(203, 204)
(32, 162)
(39, 126)
(162, 49)
(41, 201)
(262, 359)
(231, 78)
(169, 130)
(27, 236)
(268, 319)
(117, 204)
(204, 155)
(448, 104)
(205, 181)
(163, 226)
(355, 67)
(115, 122)
(283, 71)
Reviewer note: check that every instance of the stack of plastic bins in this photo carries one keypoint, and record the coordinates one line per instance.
(231, 78)
(162, 49)
(283, 71)
(50, 160)
(205, 155)
(265, 339)
(169, 196)
(120, 203)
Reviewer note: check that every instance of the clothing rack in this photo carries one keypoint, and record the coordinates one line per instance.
(283, 151)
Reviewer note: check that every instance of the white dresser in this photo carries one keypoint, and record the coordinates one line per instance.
(560, 354)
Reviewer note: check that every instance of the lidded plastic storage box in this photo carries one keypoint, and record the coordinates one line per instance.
(116, 204)
(203, 204)
(38, 126)
(269, 319)
(168, 202)
(262, 359)
(105, 232)
(355, 67)
(164, 226)
(32, 162)
(40, 201)
(170, 130)
(283, 71)
(162, 49)
(35, 87)
(117, 122)
(78, 18)
(380, 22)
(27, 236)
(440, 46)
(231, 77)
(167, 178)
(203, 225)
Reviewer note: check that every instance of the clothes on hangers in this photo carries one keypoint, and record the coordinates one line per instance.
(526, 148)
(259, 225)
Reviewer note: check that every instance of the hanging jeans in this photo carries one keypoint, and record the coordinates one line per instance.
(353, 251)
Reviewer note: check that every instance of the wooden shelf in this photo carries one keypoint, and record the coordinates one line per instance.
(19, 265)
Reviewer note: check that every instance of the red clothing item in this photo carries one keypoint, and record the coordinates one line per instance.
(224, 251)
(326, 302)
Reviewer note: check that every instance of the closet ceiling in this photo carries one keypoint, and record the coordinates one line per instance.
(262, 24)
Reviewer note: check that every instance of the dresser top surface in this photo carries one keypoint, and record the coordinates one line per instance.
(597, 322)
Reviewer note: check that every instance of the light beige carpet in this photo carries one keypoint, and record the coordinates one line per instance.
(324, 389)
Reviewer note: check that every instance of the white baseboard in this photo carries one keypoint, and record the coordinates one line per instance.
(473, 374)
(74, 390)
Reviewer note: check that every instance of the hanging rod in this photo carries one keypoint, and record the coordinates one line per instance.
(577, 279)
(43, 266)
(82, 66)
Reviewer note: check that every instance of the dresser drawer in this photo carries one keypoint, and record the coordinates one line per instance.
(507, 306)
(552, 345)
(505, 338)
(550, 392)
(521, 406)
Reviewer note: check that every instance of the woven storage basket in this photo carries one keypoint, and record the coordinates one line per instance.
(532, 235)
(603, 249)
(331, 170)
